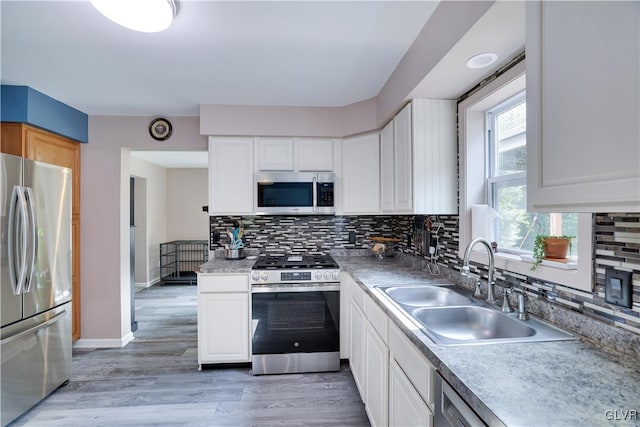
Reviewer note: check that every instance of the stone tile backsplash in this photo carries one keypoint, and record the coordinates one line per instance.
(304, 234)
(616, 237)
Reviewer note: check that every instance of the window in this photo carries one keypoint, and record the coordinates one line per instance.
(515, 229)
(493, 158)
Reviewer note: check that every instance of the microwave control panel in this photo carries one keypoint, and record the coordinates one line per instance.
(325, 194)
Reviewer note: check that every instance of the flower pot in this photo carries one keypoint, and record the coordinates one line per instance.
(556, 248)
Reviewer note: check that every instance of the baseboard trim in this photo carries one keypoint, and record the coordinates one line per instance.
(104, 342)
(142, 285)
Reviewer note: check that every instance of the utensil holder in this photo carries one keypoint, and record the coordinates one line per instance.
(234, 253)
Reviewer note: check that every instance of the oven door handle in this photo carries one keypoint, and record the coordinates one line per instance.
(259, 289)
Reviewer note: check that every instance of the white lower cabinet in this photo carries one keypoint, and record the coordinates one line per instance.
(393, 377)
(223, 319)
(356, 348)
(406, 407)
(376, 380)
(368, 358)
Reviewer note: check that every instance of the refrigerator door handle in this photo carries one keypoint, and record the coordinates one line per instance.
(33, 239)
(35, 328)
(17, 277)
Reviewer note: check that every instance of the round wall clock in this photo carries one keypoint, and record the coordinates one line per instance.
(160, 129)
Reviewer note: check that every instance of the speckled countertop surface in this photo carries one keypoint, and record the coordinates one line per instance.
(567, 383)
(220, 265)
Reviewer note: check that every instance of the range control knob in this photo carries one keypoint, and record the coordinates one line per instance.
(264, 276)
(318, 275)
(327, 275)
(335, 275)
(255, 276)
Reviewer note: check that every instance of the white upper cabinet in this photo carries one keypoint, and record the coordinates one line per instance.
(387, 204)
(295, 154)
(419, 159)
(583, 106)
(315, 154)
(361, 174)
(403, 178)
(274, 154)
(231, 178)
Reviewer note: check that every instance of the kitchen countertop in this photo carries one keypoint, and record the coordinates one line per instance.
(566, 383)
(219, 265)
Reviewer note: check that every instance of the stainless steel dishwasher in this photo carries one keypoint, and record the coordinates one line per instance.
(451, 410)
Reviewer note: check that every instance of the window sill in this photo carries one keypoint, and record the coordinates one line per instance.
(571, 275)
(570, 265)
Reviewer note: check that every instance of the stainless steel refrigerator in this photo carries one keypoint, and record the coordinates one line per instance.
(35, 273)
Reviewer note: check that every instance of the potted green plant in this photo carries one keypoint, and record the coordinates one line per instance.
(550, 247)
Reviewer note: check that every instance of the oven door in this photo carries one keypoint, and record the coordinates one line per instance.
(295, 328)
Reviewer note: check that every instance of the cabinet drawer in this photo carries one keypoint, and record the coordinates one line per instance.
(415, 366)
(377, 317)
(223, 283)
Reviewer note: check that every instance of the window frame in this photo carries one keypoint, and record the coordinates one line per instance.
(474, 187)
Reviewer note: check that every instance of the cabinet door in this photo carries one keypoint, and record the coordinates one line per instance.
(387, 178)
(356, 349)
(406, 408)
(315, 154)
(231, 178)
(346, 286)
(435, 155)
(223, 327)
(361, 174)
(376, 377)
(274, 154)
(46, 147)
(403, 170)
(583, 105)
(417, 368)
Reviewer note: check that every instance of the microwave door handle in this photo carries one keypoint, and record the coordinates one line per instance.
(315, 193)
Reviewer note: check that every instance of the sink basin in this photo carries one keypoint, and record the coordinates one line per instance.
(425, 296)
(471, 323)
(451, 317)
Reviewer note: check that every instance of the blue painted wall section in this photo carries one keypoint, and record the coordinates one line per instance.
(22, 104)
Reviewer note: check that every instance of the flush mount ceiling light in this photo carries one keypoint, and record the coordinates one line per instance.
(482, 60)
(147, 16)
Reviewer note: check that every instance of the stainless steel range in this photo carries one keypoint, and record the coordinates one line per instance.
(296, 314)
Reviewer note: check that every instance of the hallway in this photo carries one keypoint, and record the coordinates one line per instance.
(154, 380)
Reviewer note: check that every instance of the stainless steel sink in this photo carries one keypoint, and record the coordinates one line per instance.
(470, 324)
(452, 317)
(425, 296)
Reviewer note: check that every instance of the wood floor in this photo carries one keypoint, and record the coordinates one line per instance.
(154, 381)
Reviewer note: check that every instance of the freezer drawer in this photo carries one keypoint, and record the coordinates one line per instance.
(36, 359)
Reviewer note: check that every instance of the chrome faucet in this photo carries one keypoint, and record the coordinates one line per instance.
(465, 266)
(522, 309)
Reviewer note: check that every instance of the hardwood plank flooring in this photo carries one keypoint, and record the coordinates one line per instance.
(154, 381)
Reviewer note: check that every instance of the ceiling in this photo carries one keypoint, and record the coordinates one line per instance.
(296, 53)
(300, 53)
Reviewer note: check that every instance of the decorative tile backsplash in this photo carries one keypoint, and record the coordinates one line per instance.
(304, 234)
(617, 245)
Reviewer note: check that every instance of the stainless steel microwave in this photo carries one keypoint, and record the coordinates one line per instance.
(295, 193)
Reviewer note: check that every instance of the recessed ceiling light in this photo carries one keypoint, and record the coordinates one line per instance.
(147, 16)
(482, 60)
